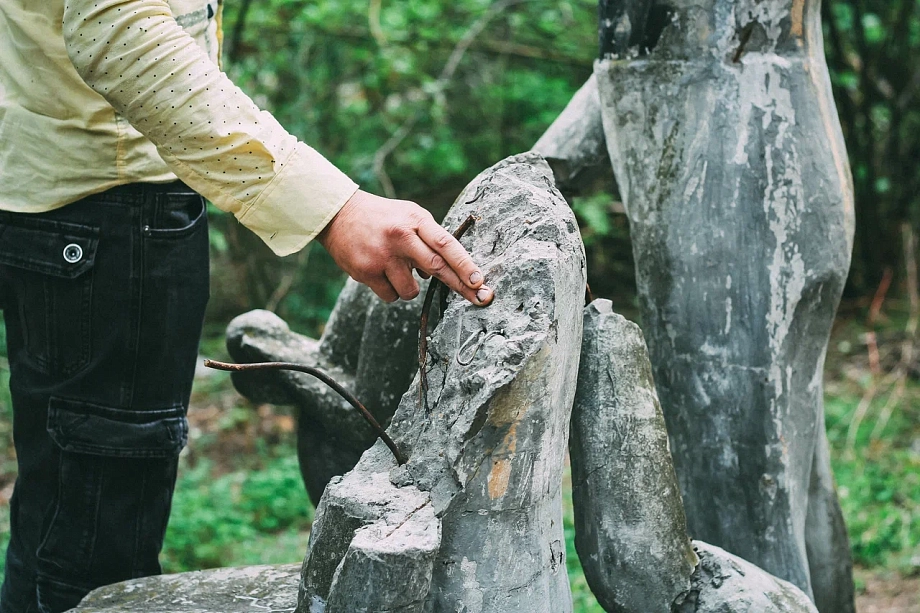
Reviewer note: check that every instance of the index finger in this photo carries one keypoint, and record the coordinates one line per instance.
(454, 254)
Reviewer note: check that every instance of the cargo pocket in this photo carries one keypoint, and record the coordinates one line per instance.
(51, 265)
(117, 471)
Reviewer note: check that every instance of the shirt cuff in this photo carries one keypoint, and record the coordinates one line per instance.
(306, 193)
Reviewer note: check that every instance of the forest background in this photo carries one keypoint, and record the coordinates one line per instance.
(414, 98)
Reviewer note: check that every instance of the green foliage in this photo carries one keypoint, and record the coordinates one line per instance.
(879, 480)
(873, 50)
(873, 425)
(593, 214)
(346, 83)
(235, 517)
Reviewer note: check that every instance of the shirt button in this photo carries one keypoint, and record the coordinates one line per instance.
(73, 253)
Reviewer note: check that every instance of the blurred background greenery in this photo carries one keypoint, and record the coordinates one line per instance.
(412, 99)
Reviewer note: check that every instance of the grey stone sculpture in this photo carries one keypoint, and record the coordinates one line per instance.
(473, 521)
(468, 523)
(368, 346)
(630, 528)
(727, 148)
(725, 143)
(271, 589)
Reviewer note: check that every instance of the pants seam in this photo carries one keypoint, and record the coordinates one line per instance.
(139, 526)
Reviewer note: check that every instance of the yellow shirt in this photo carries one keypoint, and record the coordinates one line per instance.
(98, 93)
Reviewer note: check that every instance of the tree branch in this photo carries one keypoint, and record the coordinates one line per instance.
(447, 73)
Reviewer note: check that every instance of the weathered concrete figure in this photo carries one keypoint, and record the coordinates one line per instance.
(473, 521)
(471, 541)
(728, 152)
(368, 346)
(630, 529)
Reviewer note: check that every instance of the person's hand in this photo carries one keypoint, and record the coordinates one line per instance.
(379, 241)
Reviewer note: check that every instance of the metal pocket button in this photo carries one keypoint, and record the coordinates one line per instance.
(73, 253)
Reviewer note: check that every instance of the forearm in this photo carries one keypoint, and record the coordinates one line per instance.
(207, 130)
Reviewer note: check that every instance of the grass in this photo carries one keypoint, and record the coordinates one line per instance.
(257, 516)
(240, 499)
(879, 481)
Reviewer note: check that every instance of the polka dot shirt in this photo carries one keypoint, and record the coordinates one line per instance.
(95, 93)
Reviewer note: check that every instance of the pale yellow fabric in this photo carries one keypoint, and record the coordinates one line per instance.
(98, 93)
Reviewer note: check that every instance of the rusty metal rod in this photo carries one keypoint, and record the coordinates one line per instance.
(423, 323)
(325, 378)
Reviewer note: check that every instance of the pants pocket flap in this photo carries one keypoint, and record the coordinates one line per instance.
(82, 427)
(49, 247)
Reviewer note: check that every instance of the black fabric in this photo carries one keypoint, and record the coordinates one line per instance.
(103, 302)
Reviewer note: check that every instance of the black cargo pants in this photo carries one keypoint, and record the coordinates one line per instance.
(103, 301)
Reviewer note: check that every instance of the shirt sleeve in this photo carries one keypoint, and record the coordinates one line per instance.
(206, 129)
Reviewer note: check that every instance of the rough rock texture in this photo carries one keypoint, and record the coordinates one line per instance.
(368, 346)
(630, 530)
(727, 148)
(830, 562)
(372, 549)
(225, 590)
(724, 583)
(574, 144)
(482, 489)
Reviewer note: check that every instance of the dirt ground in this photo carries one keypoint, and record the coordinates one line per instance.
(886, 592)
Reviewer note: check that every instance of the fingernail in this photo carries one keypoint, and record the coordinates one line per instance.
(483, 294)
(476, 277)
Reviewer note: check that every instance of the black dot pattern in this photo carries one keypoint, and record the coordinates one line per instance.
(142, 57)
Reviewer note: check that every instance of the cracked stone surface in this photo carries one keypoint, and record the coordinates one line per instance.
(368, 346)
(272, 589)
(724, 583)
(630, 529)
(474, 521)
(733, 171)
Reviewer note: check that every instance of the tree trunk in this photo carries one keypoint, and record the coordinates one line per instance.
(727, 149)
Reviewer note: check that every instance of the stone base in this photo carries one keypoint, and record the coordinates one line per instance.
(223, 590)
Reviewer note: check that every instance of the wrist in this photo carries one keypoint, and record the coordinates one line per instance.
(325, 235)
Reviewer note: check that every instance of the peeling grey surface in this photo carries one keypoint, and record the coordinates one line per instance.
(225, 590)
(368, 346)
(736, 183)
(488, 459)
(630, 529)
(725, 583)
